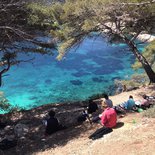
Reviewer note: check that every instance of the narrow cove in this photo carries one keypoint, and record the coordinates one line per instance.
(88, 70)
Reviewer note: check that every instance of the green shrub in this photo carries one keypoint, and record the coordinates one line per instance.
(135, 81)
(15, 109)
(4, 104)
(149, 54)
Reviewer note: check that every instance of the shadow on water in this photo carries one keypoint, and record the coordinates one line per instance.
(95, 64)
(80, 73)
(97, 79)
(76, 82)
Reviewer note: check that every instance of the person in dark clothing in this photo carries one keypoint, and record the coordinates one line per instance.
(92, 107)
(52, 124)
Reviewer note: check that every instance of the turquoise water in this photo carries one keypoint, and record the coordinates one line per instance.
(89, 70)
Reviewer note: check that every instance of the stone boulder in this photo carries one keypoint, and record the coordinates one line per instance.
(21, 130)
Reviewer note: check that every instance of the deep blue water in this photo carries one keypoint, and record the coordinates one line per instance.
(89, 70)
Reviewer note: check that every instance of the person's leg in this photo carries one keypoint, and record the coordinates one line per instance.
(143, 107)
(96, 119)
(148, 106)
(119, 110)
(88, 117)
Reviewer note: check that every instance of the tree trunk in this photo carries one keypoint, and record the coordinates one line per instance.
(150, 73)
(4, 70)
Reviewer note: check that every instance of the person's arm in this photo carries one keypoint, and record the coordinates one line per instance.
(103, 119)
(100, 115)
(45, 122)
(134, 107)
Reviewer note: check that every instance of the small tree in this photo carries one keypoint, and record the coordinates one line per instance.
(4, 104)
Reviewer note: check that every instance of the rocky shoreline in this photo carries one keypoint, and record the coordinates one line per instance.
(67, 113)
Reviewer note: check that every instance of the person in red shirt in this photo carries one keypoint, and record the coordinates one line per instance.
(108, 117)
(108, 120)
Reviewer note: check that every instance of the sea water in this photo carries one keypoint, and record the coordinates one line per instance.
(89, 69)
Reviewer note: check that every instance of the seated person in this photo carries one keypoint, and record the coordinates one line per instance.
(149, 97)
(107, 101)
(108, 120)
(52, 124)
(144, 103)
(92, 107)
(108, 117)
(130, 104)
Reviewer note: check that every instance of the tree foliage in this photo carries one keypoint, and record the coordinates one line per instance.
(119, 19)
(16, 31)
(76, 19)
(4, 104)
(149, 53)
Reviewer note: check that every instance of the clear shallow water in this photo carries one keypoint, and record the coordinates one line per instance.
(89, 70)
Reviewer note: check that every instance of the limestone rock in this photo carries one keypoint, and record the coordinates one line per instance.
(21, 129)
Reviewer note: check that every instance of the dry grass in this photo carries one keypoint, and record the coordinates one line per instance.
(150, 113)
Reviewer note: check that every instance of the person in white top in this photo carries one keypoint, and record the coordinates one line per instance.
(108, 101)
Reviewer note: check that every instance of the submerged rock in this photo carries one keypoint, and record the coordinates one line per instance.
(76, 82)
(80, 73)
(48, 81)
(95, 79)
(21, 129)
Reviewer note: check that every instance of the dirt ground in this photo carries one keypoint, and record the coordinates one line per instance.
(133, 135)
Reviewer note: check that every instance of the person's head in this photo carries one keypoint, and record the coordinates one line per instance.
(90, 101)
(130, 97)
(144, 96)
(104, 105)
(106, 96)
(51, 113)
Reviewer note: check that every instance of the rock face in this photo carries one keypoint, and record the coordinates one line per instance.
(146, 37)
(21, 129)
